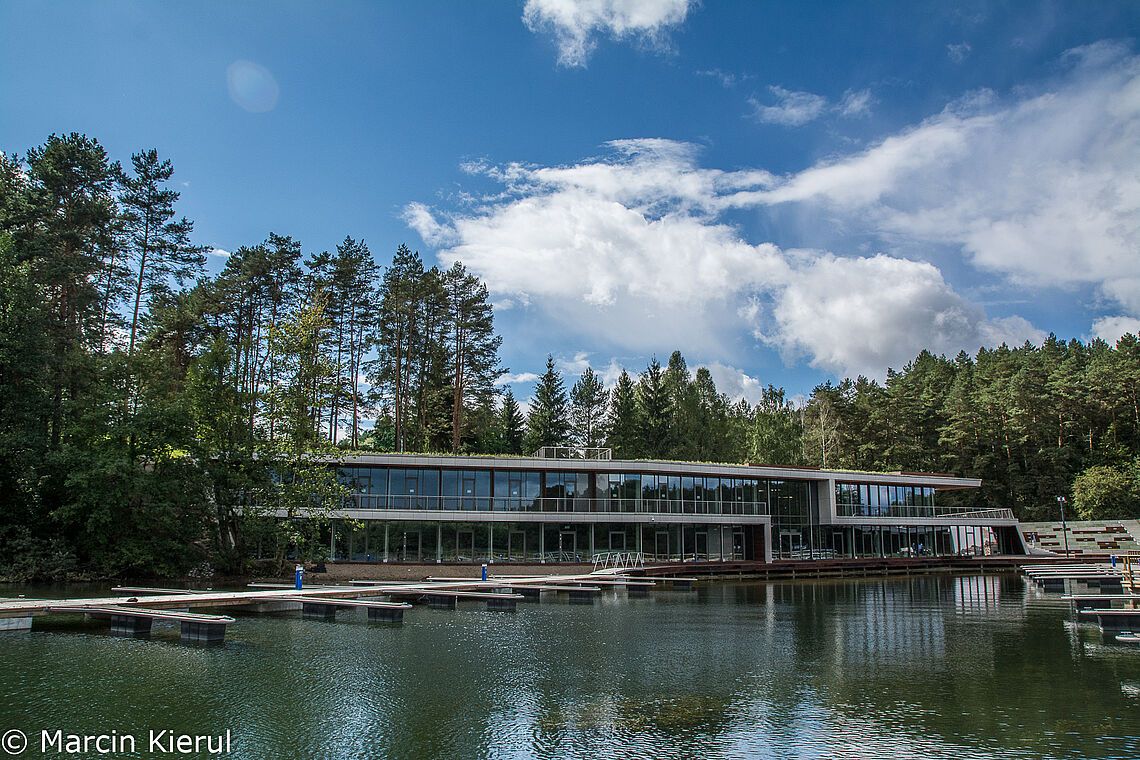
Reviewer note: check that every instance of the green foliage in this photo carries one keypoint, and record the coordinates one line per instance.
(1103, 492)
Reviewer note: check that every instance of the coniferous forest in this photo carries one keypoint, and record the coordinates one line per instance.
(152, 417)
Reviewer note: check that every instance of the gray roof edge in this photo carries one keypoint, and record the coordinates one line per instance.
(667, 467)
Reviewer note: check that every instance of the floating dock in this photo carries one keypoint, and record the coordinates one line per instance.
(133, 612)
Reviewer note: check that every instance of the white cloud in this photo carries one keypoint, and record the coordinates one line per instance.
(221, 253)
(576, 24)
(959, 52)
(1041, 188)
(852, 315)
(522, 377)
(792, 109)
(727, 79)
(573, 367)
(1110, 329)
(630, 251)
(734, 383)
(855, 104)
(419, 218)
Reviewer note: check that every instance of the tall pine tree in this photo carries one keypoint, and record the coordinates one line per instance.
(589, 399)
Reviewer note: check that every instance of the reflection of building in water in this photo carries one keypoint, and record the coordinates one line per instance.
(892, 621)
(977, 593)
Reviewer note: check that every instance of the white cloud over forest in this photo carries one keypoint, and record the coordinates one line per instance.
(634, 249)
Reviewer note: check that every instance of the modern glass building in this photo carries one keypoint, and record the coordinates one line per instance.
(569, 507)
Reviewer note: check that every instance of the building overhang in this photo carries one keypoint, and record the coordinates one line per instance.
(939, 481)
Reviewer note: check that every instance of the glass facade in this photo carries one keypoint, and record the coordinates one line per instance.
(792, 506)
(532, 542)
(878, 500)
(507, 490)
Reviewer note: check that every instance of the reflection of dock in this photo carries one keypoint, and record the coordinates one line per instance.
(134, 611)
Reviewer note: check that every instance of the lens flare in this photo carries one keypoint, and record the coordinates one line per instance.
(252, 86)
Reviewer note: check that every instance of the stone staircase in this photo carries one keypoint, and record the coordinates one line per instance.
(1085, 536)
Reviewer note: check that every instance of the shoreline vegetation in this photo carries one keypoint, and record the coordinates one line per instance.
(153, 417)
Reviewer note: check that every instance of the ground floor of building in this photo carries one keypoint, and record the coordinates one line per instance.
(579, 542)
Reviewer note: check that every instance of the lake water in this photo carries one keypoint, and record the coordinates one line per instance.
(956, 667)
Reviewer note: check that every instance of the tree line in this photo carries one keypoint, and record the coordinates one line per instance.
(1034, 423)
(154, 419)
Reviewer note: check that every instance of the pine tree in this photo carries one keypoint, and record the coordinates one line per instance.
(589, 399)
(401, 298)
(623, 424)
(548, 423)
(471, 342)
(159, 244)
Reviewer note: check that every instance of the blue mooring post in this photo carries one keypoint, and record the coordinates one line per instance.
(484, 571)
(298, 577)
(1113, 561)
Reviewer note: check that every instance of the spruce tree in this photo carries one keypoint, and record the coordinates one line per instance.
(684, 413)
(624, 424)
(653, 411)
(548, 423)
(589, 399)
(512, 426)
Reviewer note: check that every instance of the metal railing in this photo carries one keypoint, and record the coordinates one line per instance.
(910, 510)
(618, 561)
(573, 452)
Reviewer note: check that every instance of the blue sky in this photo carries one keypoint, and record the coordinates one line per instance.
(787, 192)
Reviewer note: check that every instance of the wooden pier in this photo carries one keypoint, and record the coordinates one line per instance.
(133, 612)
(137, 621)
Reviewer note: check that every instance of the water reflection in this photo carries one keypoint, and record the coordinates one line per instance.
(937, 666)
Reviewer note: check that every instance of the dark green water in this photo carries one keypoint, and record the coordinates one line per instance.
(937, 667)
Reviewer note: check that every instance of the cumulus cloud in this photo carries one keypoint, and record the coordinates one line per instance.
(1041, 188)
(734, 383)
(631, 250)
(221, 253)
(1110, 329)
(854, 314)
(576, 24)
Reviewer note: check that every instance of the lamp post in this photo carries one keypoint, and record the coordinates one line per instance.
(1064, 525)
